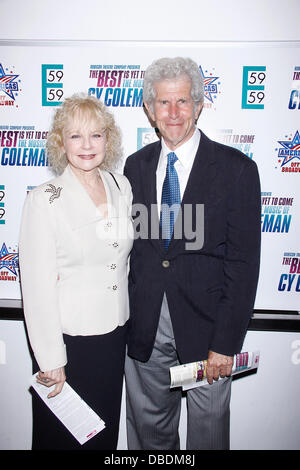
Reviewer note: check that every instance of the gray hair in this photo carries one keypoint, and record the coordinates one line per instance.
(173, 68)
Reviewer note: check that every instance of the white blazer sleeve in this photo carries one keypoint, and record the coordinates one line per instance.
(37, 257)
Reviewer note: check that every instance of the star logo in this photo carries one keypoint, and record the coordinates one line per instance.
(210, 87)
(7, 83)
(290, 150)
(8, 260)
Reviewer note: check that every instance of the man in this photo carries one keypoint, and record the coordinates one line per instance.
(188, 302)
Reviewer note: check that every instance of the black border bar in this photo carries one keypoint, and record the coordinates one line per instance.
(262, 320)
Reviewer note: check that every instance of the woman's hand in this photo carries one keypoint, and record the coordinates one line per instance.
(55, 377)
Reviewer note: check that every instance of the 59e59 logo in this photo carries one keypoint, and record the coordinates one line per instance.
(52, 84)
(253, 90)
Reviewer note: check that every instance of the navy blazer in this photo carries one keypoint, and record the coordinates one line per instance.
(210, 290)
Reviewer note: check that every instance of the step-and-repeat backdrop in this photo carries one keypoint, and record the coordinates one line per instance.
(252, 102)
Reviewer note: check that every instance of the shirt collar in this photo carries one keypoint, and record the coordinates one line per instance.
(186, 152)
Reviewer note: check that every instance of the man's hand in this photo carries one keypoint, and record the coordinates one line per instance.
(218, 365)
(55, 377)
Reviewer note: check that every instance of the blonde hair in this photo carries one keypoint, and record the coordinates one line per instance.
(85, 108)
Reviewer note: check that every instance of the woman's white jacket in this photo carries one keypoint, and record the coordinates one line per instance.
(74, 263)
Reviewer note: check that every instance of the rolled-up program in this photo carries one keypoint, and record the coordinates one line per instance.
(193, 374)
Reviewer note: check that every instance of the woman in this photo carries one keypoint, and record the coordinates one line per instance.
(76, 236)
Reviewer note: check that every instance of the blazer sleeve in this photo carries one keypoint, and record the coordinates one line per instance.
(38, 270)
(241, 263)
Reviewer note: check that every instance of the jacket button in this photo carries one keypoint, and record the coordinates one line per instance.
(165, 263)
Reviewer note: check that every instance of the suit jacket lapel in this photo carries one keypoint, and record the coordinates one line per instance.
(199, 186)
(148, 175)
(148, 179)
(202, 173)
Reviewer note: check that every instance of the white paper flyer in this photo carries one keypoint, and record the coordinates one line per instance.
(71, 410)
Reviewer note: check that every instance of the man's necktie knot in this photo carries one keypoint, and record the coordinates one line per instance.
(172, 158)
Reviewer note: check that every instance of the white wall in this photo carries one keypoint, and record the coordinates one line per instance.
(265, 406)
(191, 20)
(15, 402)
